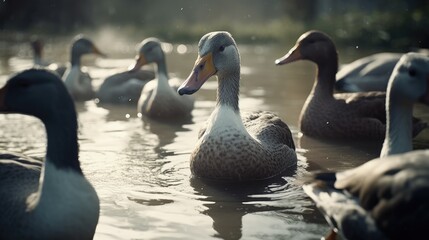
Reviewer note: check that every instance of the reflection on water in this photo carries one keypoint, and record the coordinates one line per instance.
(140, 167)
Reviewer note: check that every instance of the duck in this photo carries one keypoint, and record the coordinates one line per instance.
(124, 87)
(79, 83)
(370, 73)
(407, 85)
(355, 116)
(384, 198)
(231, 148)
(158, 98)
(53, 199)
(37, 48)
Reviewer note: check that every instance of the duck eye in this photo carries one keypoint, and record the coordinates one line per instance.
(221, 48)
(412, 72)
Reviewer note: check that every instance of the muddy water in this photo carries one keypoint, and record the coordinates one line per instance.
(140, 168)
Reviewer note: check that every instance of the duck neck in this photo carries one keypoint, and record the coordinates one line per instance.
(398, 127)
(162, 74)
(38, 58)
(325, 77)
(61, 161)
(75, 58)
(62, 146)
(228, 90)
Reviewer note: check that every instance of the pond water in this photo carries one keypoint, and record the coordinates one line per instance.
(140, 168)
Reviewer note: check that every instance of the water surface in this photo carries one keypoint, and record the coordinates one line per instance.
(140, 168)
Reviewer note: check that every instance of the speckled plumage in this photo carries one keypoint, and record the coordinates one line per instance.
(257, 146)
(229, 153)
(330, 117)
(386, 198)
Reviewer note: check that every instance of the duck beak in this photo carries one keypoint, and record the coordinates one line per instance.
(3, 91)
(95, 50)
(293, 55)
(140, 62)
(203, 70)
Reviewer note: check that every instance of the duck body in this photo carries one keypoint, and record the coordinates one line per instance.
(367, 74)
(46, 216)
(231, 148)
(124, 87)
(159, 99)
(385, 198)
(345, 115)
(53, 199)
(78, 82)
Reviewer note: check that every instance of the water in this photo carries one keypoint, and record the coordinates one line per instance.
(140, 168)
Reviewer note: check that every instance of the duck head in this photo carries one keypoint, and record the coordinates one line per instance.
(314, 46)
(35, 92)
(82, 45)
(410, 79)
(149, 51)
(217, 55)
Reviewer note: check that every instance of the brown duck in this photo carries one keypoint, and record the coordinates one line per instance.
(340, 115)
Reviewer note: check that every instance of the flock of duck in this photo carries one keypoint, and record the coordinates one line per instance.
(385, 198)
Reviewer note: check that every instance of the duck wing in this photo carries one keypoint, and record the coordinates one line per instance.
(368, 104)
(268, 128)
(392, 191)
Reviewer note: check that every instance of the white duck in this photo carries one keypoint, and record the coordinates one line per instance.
(385, 198)
(370, 73)
(79, 83)
(367, 74)
(257, 147)
(52, 200)
(124, 87)
(159, 99)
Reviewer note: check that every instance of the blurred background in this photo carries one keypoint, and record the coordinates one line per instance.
(393, 24)
(141, 168)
